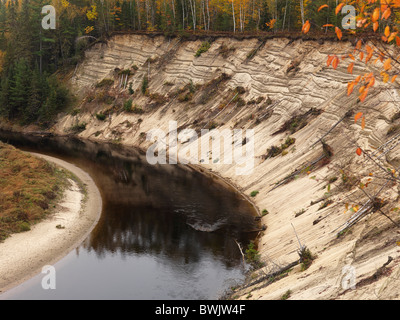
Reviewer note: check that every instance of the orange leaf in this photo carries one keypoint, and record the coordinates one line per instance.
(329, 60)
(350, 87)
(350, 67)
(339, 7)
(335, 62)
(375, 25)
(363, 123)
(323, 6)
(358, 116)
(375, 15)
(351, 56)
(385, 77)
(371, 82)
(306, 27)
(359, 151)
(386, 14)
(387, 31)
(392, 35)
(328, 25)
(359, 44)
(398, 41)
(363, 95)
(338, 33)
(369, 56)
(361, 55)
(357, 79)
(387, 65)
(393, 78)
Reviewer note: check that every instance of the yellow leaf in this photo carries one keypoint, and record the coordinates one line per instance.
(387, 31)
(385, 77)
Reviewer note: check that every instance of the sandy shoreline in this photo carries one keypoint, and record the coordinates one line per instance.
(24, 254)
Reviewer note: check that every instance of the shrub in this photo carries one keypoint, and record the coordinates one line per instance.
(79, 127)
(128, 105)
(254, 193)
(299, 213)
(253, 256)
(145, 84)
(130, 90)
(24, 226)
(137, 110)
(101, 116)
(393, 129)
(203, 48)
(125, 72)
(274, 150)
(251, 54)
(306, 258)
(105, 83)
(286, 295)
(158, 98)
(225, 51)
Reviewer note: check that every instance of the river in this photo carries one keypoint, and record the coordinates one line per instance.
(166, 231)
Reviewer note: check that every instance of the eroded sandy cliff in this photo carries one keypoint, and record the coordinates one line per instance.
(281, 89)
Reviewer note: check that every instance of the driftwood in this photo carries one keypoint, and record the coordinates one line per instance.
(241, 251)
(346, 115)
(271, 277)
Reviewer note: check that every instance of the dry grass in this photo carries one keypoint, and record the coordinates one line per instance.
(29, 187)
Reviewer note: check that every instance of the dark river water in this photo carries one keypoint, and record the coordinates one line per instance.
(166, 231)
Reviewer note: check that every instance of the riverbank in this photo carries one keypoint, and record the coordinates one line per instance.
(24, 254)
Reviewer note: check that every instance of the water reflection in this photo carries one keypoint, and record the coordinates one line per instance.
(170, 216)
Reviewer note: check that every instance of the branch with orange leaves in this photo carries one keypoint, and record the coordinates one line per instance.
(371, 14)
